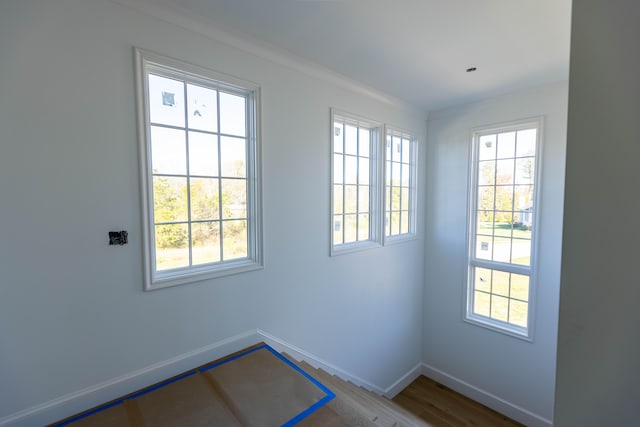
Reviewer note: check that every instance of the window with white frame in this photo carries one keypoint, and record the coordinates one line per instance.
(503, 227)
(355, 198)
(399, 221)
(200, 172)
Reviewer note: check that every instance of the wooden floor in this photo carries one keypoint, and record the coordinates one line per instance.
(442, 407)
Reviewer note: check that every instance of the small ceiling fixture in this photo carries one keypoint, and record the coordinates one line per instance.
(471, 69)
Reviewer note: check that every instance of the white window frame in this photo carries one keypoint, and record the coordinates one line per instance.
(145, 62)
(525, 333)
(375, 200)
(407, 137)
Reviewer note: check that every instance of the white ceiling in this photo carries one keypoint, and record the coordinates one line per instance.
(414, 50)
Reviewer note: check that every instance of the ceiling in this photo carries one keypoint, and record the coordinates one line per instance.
(414, 50)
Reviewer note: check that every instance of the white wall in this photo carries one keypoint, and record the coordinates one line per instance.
(512, 375)
(72, 310)
(599, 334)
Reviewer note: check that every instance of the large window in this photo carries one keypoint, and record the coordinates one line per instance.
(400, 185)
(199, 162)
(354, 184)
(503, 227)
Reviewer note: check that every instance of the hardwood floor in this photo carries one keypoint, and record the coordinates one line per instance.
(442, 407)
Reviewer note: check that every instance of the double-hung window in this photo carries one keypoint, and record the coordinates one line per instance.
(503, 201)
(200, 172)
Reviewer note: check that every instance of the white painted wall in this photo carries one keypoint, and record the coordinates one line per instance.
(72, 310)
(512, 375)
(599, 337)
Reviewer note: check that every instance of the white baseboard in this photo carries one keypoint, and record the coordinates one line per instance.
(73, 403)
(509, 409)
(395, 388)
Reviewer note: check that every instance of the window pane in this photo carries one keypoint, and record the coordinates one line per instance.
(169, 199)
(166, 101)
(499, 308)
(350, 170)
(172, 246)
(487, 147)
(205, 240)
(337, 168)
(482, 304)
(387, 197)
(406, 176)
(518, 312)
(202, 108)
(350, 230)
(350, 199)
(395, 198)
(351, 140)
(387, 173)
(506, 145)
(525, 171)
(396, 169)
(500, 283)
(387, 224)
(487, 173)
(482, 279)
(486, 198)
(234, 199)
(363, 176)
(396, 151)
(504, 174)
(406, 150)
(363, 199)
(388, 149)
(363, 227)
(404, 205)
(521, 252)
(395, 223)
(234, 239)
(364, 141)
(404, 222)
(338, 137)
(337, 199)
(203, 154)
(484, 247)
(168, 151)
(503, 226)
(233, 157)
(520, 287)
(205, 201)
(232, 114)
(504, 198)
(501, 249)
(337, 229)
(526, 145)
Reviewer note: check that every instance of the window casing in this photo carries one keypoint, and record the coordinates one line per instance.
(355, 189)
(400, 186)
(199, 172)
(503, 226)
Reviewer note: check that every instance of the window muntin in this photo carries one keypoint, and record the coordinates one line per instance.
(354, 210)
(200, 169)
(503, 227)
(399, 220)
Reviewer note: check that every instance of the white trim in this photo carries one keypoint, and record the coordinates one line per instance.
(73, 403)
(496, 403)
(403, 382)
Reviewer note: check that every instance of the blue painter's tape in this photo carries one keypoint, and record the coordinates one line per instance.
(85, 415)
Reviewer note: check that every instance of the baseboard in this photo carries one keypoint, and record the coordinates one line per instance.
(404, 381)
(95, 395)
(507, 408)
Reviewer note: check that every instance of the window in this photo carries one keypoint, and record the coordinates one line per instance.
(400, 197)
(355, 198)
(199, 163)
(503, 227)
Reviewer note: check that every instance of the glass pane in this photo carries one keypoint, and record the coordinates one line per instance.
(396, 170)
(521, 252)
(351, 140)
(501, 249)
(202, 108)
(504, 173)
(500, 283)
(522, 223)
(520, 287)
(523, 196)
(364, 142)
(233, 157)
(503, 224)
(387, 173)
(337, 199)
(363, 199)
(388, 149)
(506, 145)
(350, 230)
(487, 147)
(504, 198)
(350, 170)
(484, 247)
(485, 223)
(387, 199)
(205, 241)
(234, 239)
(525, 171)
(350, 199)
(487, 173)
(166, 101)
(172, 246)
(395, 223)
(169, 199)
(526, 143)
(396, 154)
(482, 304)
(337, 229)
(405, 175)
(234, 198)
(482, 280)
(406, 150)
(168, 151)
(232, 114)
(205, 203)
(387, 224)
(499, 308)
(404, 222)
(404, 205)
(203, 154)
(338, 137)
(363, 227)
(486, 198)
(363, 173)
(395, 198)
(337, 168)
(518, 312)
